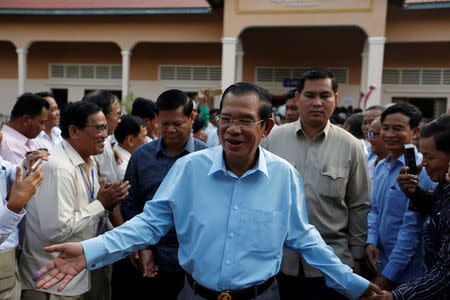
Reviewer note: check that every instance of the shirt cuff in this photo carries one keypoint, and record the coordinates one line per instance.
(357, 252)
(93, 252)
(360, 285)
(372, 239)
(390, 272)
(9, 219)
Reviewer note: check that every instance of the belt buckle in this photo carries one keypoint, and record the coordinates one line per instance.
(224, 296)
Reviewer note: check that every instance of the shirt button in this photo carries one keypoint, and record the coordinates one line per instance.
(227, 262)
(231, 234)
(239, 181)
(235, 207)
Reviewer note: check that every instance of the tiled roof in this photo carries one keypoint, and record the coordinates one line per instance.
(103, 4)
(424, 4)
(424, 1)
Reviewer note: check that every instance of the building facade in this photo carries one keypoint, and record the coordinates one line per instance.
(380, 51)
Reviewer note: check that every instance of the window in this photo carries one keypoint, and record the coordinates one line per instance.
(174, 72)
(84, 71)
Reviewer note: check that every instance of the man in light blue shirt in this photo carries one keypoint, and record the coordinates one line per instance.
(11, 213)
(394, 243)
(231, 231)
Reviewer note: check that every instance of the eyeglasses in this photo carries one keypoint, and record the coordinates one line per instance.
(100, 128)
(224, 120)
(372, 134)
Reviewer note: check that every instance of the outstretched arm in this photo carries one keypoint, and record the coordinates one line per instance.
(69, 263)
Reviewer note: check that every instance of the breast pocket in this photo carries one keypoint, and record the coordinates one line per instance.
(266, 230)
(333, 182)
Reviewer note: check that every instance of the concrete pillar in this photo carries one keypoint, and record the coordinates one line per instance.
(374, 73)
(22, 64)
(239, 61)
(228, 62)
(125, 72)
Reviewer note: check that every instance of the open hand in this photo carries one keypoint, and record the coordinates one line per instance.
(69, 263)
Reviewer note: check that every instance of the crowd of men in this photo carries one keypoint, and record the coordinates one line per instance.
(174, 202)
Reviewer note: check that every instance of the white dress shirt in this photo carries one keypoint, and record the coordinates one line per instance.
(44, 141)
(125, 159)
(61, 210)
(107, 166)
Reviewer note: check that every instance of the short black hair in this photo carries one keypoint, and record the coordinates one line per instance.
(355, 122)
(77, 114)
(290, 94)
(214, 111)
(172, 100)
(102, 98)
(199, 123)
(245, 88)
(144, 108)
(44, 94)
(439, 129)
(317, 73)
(129, 125)
(411, 111)
(28, 104)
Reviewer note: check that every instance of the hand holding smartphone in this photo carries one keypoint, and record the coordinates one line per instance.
(36, 165)
(410, 159)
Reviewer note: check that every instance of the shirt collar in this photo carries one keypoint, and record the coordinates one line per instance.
(74, 156)
(218, 163)
(189, 147)
(324, 132)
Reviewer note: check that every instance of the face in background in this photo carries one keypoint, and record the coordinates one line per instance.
(113, 117)
(195, 109)
(53, 113)
(316, 101)
(151, 126)
(368, 118)
(436, 162)
(174, 128)
(35, 125)
(375, 139)
(396, 132)
(292, 110)
(90, 140)
(240, 143)
(138, 140)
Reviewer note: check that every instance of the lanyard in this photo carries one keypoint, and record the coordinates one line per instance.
(86, 183)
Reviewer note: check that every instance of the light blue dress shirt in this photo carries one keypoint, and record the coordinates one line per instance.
(231, 230)
(395, 230)
(8, 219)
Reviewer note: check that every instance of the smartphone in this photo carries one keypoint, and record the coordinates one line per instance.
(410, 158)
(36, 165)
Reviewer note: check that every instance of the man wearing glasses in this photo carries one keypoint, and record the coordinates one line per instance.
(232, 231)
(71, 201)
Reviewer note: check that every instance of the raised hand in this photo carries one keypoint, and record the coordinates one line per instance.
(23, 189)
(69, 263)
(407, 182)
(112, 194)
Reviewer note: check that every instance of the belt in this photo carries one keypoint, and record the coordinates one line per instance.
(244, 294)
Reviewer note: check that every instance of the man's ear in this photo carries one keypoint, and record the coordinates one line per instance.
(268, 125)
(74, 132)
(416, 132)
(129, 140)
